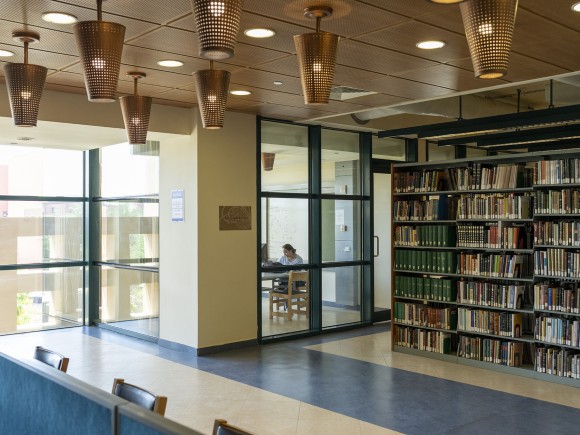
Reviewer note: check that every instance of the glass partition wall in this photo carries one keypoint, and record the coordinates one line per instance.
(315, 196)
(127, 251)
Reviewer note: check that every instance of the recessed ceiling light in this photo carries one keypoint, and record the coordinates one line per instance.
(170, 63)
(278, 83)
(259, 33)
(59, 18)
(576, 7)
(240, 92)
(6, 53)
(430, 45)
(25, 138)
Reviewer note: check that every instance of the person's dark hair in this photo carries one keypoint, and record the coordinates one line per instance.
(289, 247)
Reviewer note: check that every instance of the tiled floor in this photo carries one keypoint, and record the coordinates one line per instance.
(345, 383)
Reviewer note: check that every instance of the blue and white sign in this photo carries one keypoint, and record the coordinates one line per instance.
(177, 206)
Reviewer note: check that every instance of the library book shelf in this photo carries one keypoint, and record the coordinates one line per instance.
(486, 263)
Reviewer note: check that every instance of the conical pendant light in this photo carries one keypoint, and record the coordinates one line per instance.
(212, 94)
(25, 84)
(136, 110)
(217, 23)
(489, 27)
(100, 45)
(317, 58)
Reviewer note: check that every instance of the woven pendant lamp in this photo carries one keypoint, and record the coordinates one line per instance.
(100, 45)
(212, 94)
(136, 110)
(316, 58)
(489, 27)
(25, 84)
(217, 23)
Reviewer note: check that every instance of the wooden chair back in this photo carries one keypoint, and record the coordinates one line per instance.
(51, 358)
(139, 396)
(221, 427)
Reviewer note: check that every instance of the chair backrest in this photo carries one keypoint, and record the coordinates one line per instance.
(51, 358)
(139, 396)
(221, 427)
(299, 277)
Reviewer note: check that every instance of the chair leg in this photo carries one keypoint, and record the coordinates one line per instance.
(271, 307)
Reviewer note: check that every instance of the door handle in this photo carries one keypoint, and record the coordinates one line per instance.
(378, 246)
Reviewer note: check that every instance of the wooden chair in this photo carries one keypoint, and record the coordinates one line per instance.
(139, 396)
(51, 358)
(294, 295)
(221, 427)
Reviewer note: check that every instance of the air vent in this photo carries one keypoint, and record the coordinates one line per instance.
(342, 93)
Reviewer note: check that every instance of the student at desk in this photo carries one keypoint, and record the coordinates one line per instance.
(289, 257)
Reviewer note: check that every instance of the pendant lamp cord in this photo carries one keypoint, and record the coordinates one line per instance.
(25, 51)
(519, 99)
(135, 85)
(318, 19)
(100, 10)
(211, 64)
(551, 106)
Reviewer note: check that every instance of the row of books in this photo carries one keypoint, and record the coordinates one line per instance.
(495, 206)
(493, 236)
(564, 201)
(482, 176)
(425, 261)
(425, 235)
(553, 297)
(557, 361)
(506, 324)
(423, 339)
(562, 171)
(425, 209)
(507, 353)
(491, 294)
(559, 233)
(419, 181)
(558, 330)
(435, 289)
(495, 265)
(425, 315)
(557, 262)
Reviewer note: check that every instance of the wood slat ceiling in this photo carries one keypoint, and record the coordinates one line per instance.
(377, 51)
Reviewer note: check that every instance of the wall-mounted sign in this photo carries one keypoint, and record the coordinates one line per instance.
(177, 206)
(235, 217)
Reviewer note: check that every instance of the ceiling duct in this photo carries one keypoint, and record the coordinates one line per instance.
(473, 106)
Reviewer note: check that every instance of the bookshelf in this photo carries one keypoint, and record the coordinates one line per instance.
(486, 263)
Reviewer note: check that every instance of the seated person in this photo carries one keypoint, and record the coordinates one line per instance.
(289, 257)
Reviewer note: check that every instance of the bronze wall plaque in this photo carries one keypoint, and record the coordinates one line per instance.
(234, 217)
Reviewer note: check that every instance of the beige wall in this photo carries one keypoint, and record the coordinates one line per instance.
(178, 241)
(208, 277)
(227, 261)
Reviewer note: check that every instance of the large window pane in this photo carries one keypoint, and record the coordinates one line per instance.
(36, 299)
(284, 153)
(341, 295)
(28, 171)
(130, 299)
(130, 232)
(341, 230)
(129, 170)
(41, 232)
(284, 221)
(340, 162)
